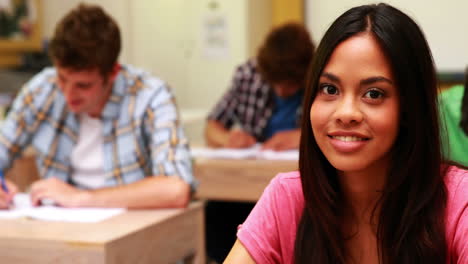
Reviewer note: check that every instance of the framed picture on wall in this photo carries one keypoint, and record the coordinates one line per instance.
(20, 29)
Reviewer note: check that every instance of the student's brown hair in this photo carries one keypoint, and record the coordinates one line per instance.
(286, 54)
(86, 38)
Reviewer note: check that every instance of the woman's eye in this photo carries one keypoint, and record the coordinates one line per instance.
(329, 89)
(374, 94)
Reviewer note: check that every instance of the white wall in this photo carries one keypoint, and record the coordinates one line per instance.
(167, 39)
(209, 77)
(445, 24)
(159, 39)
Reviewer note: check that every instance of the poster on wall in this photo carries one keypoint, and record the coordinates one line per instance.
(215, 41)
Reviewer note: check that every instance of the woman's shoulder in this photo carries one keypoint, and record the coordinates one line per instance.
(270, 230)
(286, 188)
(456, 180)
(288, 176)
(290, 181)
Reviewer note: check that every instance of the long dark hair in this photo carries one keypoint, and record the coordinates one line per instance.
(464, 107)
(412, 206)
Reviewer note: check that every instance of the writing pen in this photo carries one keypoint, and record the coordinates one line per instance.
(2, 180)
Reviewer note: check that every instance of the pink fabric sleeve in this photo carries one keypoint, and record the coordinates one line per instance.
(269, 232)
(258, 234)
(461, 238)
(457, 215)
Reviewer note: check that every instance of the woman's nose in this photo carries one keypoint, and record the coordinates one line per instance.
(349, 112)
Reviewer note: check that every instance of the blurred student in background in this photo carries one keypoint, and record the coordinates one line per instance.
(105, 134)
(372, 185)
(263, 104)
(453, 105)
(264, 101)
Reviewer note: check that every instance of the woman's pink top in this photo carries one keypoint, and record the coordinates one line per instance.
(269, 232)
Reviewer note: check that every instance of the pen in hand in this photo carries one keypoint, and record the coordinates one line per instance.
(2, 180)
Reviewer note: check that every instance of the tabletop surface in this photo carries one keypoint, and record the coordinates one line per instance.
(96, 233)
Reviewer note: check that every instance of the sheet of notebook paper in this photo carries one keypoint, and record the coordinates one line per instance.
(246, 153)
(22, 207)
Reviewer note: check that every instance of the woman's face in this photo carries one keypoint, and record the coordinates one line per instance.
(355, 115)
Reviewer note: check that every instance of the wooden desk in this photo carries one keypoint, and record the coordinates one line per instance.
(236, 180)
(140, 236)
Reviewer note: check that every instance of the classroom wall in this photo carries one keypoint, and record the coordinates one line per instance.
(445, 25)
(208, 76)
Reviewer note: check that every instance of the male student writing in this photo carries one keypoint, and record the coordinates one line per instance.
(265, 96)
(105, 134)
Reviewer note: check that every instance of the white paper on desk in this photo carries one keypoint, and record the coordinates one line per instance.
(252, 152)
(225, 153)
(279, 155)
(22, 208)
(21, 202)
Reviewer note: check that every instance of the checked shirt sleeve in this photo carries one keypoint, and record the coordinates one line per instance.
(225, 110)
(24, 118)
(169, 146)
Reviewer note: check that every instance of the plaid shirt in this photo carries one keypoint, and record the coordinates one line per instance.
(248, 103)
(141, 131)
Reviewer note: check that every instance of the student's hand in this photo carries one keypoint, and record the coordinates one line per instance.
(7, 197)
(283, 140)
(240, 139)
(63, 194)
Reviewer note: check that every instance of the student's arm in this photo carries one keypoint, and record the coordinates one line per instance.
(239, 254)
(225, 113)
(284, 140)
(28, 111)
(151, 192)
(218, 136)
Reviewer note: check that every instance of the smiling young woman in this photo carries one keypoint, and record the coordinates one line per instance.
(372, 185)
(356, 89)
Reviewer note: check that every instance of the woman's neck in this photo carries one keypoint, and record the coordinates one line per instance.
(362, 190)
